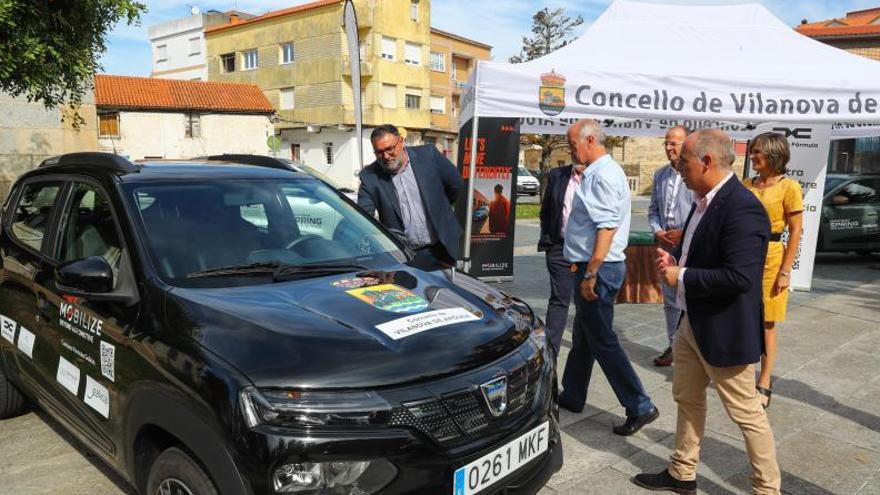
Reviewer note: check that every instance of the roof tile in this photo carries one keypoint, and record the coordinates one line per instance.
(146, 93)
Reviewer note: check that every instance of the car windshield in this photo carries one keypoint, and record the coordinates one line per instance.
(524, 172)
(229, 232)
(831, 183)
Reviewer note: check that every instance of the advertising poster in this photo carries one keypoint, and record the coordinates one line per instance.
(809, 145)
(494, 205)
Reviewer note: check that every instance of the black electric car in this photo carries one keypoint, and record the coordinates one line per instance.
(850, 214)
(238, 327)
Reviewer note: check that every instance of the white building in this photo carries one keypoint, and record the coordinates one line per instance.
(141, 117)
(178, 46)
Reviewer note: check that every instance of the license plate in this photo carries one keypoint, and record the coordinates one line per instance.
(483, 472)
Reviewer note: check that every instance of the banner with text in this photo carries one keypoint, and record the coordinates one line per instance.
(494, 205)
(809, 159)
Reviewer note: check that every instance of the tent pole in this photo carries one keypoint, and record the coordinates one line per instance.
(468, 219)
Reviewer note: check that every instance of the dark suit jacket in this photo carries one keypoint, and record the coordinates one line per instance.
(551, 207)
(439, 184)
(725, 265)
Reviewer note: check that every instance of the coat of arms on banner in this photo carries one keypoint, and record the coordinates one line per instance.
(551, 95)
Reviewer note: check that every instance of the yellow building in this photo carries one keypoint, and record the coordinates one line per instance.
(299, 58)
(452, 59)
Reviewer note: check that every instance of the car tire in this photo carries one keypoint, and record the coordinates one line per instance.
(11, 400)
(175, 471)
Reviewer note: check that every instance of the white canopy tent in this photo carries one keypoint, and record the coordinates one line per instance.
(643, 67)
(735, 64)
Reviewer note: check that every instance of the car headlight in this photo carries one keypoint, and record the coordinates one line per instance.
(333, 478)
(312, 408)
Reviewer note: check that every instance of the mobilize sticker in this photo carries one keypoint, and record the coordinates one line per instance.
(68, 375)
(26, 341)
(411, 325)
(7, 327)
(389, 297)
(97, 396)
(79, 322)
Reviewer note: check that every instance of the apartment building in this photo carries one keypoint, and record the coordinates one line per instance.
(178, 46)
(451, 61)
(299, 58)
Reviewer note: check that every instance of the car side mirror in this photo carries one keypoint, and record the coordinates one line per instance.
(85, 277)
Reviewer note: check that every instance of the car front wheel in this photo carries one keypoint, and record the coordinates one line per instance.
(176, 473)
(11, 400)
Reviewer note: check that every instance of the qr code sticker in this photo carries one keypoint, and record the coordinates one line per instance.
(108, 361)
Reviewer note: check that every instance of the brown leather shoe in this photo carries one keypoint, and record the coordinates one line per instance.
(664, 359)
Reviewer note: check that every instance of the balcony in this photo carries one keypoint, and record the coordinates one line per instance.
(368, 68)
(458, 87)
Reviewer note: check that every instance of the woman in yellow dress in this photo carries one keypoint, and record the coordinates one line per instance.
(781, 196)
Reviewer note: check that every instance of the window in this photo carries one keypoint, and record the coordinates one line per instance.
(249, 59)
(389, 96)
(90, 229)
(413, 53)
(195, 46)
(860, 192)
(287, 53)
(33, 212)
(438, 62)
(414, 10)
(438, 104)
(389, 48)
(161, 53)
(413, 101)
(296, 152)
(227, 62)
(193, 125)
(255, 214)
(108, 124)
(328, 153)
(285, 99)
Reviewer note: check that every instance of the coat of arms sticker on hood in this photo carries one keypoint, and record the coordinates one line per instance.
(391, 298)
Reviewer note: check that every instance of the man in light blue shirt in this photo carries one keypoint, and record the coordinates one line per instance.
(671, 203)
(595, 237)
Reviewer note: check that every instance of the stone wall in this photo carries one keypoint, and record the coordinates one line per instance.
(29, 133)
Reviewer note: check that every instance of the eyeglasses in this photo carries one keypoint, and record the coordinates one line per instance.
(672, 144)
(391, 150)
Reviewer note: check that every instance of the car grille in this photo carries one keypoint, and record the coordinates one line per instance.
(462, 416)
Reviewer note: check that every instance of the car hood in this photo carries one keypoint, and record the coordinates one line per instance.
(328, 333)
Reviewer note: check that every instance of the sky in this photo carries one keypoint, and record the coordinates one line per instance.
(500, 23)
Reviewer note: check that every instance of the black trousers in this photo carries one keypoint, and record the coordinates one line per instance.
(561, 286)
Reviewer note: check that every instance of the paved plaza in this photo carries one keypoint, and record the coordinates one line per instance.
(825, 410)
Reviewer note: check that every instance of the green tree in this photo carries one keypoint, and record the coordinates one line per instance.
(49, 49)
(551, 30)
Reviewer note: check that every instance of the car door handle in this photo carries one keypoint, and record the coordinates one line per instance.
(43, 313)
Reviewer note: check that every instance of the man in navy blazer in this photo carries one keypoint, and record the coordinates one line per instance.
(717, 272)
(555, 207)
(413, 189)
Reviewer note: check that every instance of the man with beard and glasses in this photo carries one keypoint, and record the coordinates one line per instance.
(413, 189)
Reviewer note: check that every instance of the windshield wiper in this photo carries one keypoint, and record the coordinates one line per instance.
(315, 269)
(247, 269)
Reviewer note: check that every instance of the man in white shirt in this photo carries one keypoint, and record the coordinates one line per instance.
(670, 204)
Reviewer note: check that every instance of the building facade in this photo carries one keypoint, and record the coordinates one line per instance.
(142, 118)
(30, 133)
(858, 33)
(451, 61)
(178, 46)
(299, 58)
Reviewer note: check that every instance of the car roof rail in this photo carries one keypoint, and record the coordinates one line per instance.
(258, 160)
(96, 159)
